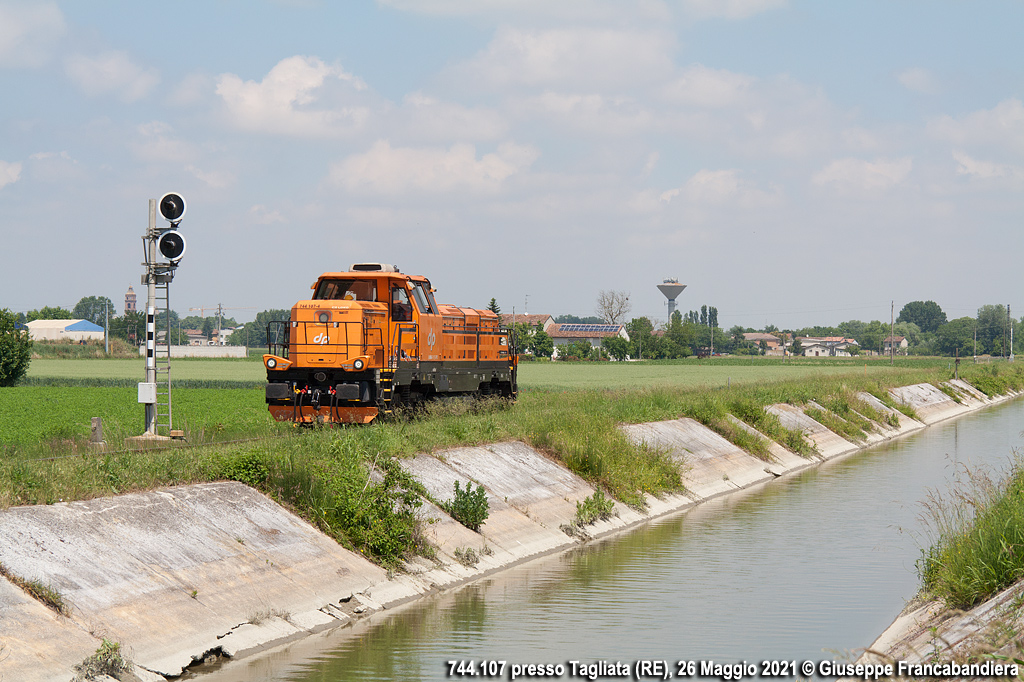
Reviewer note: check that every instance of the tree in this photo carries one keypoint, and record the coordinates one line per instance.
(573, 319)
(797, 347)
(94, 309)
(493, 307)
(131, 326)
(15, 349)
(642, 342)
(956, 335)
(682, 335)
(612, 306)
(256, 331)
(616, 346)
(993, 327)
(48, 313)
(541, 344)
(925, 314)
(580, 349)
(871, 336)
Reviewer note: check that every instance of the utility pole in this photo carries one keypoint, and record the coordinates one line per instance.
(892, 334)
(1004, 328)
(1010, 320)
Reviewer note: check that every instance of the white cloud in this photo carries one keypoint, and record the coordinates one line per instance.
(604, 11)
(192, 89)
(986, 170)
(395, 171)
(859, 175)
(111, 72)
(729, 9)
(433, 119)
(283, 102)
(28, 31)
(10, 172)
(590, 113)
(262, 215)
(155, 142)
(213, 179)
(720, 187)
(1001, 127)
(708, 88)
(650, 164)
(918, 80)
(55, 167)
(578, 58)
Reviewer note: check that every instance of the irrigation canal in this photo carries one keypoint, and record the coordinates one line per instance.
(811, 566)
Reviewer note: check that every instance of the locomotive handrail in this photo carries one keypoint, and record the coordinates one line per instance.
(283, 346)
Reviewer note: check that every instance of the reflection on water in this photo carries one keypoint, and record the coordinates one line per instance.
(802, 568)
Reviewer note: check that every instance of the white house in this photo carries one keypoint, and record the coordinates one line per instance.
(828, 346)
(899, 342)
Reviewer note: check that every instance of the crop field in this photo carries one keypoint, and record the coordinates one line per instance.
(570, 411)
(545, 376)
(718, 372)
(212, 369)
(41, 418)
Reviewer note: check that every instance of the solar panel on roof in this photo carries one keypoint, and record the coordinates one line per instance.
(602, 328)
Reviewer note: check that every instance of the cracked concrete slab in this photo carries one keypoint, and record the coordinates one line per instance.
(202, 558)
(711, 465)
(829, 444)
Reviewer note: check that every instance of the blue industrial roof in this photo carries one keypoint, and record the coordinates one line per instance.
(83, 326)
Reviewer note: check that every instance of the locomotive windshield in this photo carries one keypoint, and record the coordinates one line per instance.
(346, 290)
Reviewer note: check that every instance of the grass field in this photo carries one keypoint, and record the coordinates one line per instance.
(570, 411)
(547, 376)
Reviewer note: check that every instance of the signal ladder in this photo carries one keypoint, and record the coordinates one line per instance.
(162, 360)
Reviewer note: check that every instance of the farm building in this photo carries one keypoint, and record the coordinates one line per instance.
(59, 330)
(828, 346)
(546, 321)
(898, 342)
(563, 334)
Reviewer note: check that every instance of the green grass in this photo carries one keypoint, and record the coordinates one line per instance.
(192, 369)
(325, 474)
(978, 546)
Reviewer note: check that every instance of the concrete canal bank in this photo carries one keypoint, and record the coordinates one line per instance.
(176, 574)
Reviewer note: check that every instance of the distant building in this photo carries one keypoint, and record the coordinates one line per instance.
(771, 342)
(546, 321)
(828, 346)
(563, 334)
(129, 301)
(899, 342)
(60, 330)
(195, 337)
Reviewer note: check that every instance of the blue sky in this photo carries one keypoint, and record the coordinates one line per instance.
(793, 163)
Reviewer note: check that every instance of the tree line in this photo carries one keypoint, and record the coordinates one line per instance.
(922, 323)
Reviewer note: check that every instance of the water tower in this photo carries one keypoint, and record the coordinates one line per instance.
(671, 288)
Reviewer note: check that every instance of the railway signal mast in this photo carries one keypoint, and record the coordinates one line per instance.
(164, 246)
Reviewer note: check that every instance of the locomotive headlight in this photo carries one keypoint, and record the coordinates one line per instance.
(359, 364)
(324, 317)
(271, 363)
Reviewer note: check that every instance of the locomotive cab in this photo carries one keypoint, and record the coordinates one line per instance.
(372, 338)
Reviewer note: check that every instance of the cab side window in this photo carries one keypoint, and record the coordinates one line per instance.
(401, 310)
(422, 298)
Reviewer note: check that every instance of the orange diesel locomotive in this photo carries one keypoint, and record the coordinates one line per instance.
(373, 339)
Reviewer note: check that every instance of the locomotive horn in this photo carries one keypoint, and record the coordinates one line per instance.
(172, 207)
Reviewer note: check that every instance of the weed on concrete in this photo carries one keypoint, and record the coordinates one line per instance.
(41, 592)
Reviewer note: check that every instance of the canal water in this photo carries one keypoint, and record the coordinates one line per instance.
(808, 567)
